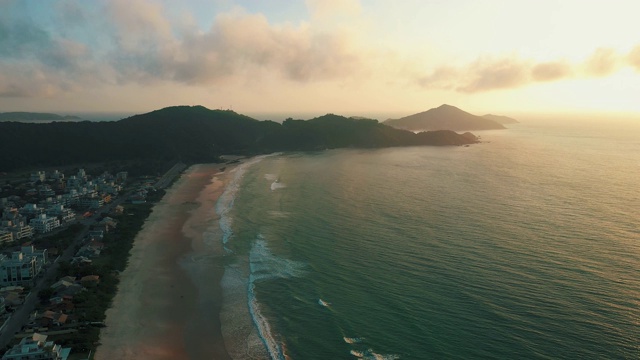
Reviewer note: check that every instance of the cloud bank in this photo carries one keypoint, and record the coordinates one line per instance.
(487, 74)
(87, 45)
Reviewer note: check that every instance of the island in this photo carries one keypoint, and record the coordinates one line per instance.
(501, 119)
(444, 117)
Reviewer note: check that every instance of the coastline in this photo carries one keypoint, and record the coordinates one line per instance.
(169, 296)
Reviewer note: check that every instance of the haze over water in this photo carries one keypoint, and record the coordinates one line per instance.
(524, 246)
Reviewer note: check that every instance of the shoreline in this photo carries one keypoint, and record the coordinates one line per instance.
(162, 308)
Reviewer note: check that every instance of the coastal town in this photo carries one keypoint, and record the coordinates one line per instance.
(64, 239)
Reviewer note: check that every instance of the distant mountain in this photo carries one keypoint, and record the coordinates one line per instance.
(33, 116)
(444, 117)
(501, 119)
(195, 134)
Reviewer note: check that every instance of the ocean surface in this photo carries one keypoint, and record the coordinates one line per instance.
(526, 246)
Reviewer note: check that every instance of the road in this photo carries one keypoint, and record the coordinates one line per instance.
(166, 179)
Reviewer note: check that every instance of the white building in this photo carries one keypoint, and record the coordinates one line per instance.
(22, 267)
(43, 224)
(63, 214)
(35, 347)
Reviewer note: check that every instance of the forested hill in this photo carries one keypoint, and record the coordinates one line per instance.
(195, 134)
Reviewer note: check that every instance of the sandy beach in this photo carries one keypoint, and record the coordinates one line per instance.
(161, 310)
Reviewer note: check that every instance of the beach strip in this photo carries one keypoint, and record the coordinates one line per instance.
(160, 310)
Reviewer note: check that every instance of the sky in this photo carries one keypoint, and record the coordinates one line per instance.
(346, 57)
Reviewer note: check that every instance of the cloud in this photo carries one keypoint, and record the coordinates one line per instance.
(551, 71)
(634, 58)
(499, 74)
(601, 63)
(87, 44)
(137, 42)
(237, 43)
(487, 74)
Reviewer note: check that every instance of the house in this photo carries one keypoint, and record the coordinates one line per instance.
(90, 280)
(108, 223)
(50, 318)
(97, 233)
(37, 347)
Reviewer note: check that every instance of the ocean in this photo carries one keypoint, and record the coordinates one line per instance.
(525, 246)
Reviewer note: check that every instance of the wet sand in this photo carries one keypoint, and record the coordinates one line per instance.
(169, 298)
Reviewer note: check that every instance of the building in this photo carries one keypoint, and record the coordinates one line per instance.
(88, 202)
(43, 224)
(18, 228)
(56, 175)
(74, 182)
(18, 269)
(5, 236)
(41, 255)
(36, 346)
(63, 214)
(31, 210)
(37, 176)
(15, 223)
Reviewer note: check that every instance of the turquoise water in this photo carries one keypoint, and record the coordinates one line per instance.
(524, 246)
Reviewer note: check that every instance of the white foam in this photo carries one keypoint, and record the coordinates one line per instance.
(277, 185)
(226, 200)
(271, 177)
(369, 354)
(265, 265)
(275, 351)
(278, 214)
(323, 303)
(354, 340)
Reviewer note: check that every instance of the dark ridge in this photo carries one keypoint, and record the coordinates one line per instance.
(194, 134)
(33, 116)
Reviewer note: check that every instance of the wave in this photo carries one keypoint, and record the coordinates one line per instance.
(264, 265)
(371, 355)
(224, 205)
(323, 303)
(261, 323)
